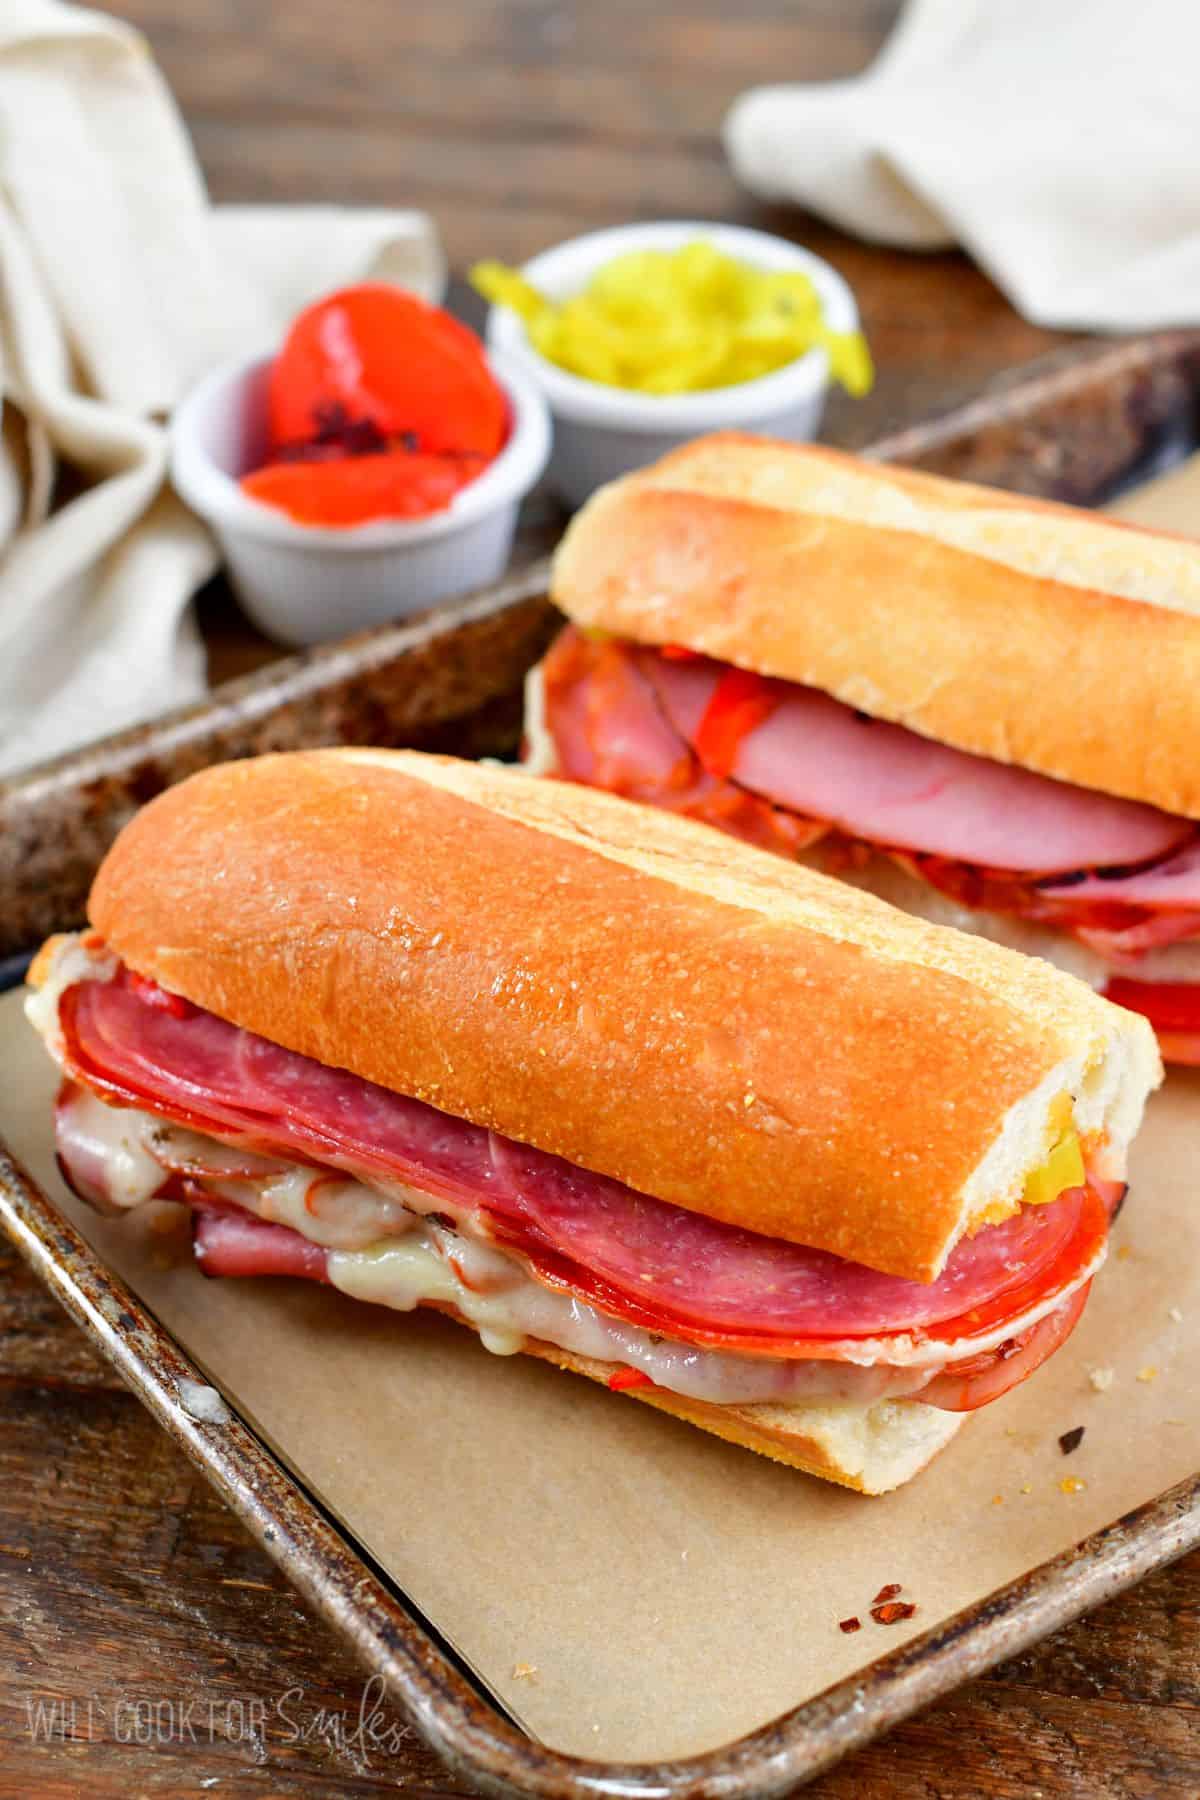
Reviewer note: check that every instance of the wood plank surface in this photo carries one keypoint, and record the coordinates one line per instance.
(146, 1647)
(519, 124)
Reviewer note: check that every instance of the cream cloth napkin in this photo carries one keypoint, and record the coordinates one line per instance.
(119, 286)
(1056, 140)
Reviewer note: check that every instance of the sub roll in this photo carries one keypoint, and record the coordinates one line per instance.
(984, 708)
(738, 1141)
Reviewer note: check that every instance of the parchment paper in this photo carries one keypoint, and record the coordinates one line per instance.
(628, 1586)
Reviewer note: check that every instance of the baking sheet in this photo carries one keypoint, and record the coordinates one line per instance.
(627, 1586)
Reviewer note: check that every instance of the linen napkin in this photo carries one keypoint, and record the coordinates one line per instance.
(1058, 141)
(119, 286)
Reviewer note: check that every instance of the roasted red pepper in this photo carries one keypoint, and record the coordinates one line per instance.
(379, 407)
(376, 354)
(624, 1379)
(740, 702)
(394, 485)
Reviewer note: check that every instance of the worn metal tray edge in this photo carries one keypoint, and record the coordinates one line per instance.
(1132, 391)
(323, 1564)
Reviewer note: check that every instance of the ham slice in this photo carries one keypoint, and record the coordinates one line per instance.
(1170, 885)
(611, 732)
(992, 838)
(636, 1257)
(233, 1242)
(887, 785)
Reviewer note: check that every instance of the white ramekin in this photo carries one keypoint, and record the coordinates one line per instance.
(304, 584)
(601, 432)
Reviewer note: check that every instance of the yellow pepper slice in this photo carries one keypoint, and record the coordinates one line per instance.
(1062, 1169)
(680, 321)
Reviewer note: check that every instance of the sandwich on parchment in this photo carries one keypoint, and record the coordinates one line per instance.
(730, 1137)
(982, 707)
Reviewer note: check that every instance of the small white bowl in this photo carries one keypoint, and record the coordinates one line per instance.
(304, 584)
(601, 432)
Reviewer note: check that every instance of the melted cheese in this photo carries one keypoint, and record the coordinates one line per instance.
(538, 753)
(507, 1307)
(77, 957)
(387, 1245)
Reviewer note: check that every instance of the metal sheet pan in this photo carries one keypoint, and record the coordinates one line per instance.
(1077, 427)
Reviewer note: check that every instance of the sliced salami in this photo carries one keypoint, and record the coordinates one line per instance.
(634, 1255)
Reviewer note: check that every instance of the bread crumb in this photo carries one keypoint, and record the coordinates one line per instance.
(1124, 1253)
(525, 1672)
(1149, 1373)
(1175, 1316)
(203, 1403)
(1027, 1487)
(1072, 1484)
(1101, 1379)
(997, 1499)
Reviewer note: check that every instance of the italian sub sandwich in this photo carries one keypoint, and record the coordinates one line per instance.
(982, 707)
(734, 1139)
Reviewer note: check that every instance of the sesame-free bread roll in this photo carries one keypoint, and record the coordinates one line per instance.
(627, 989)
(1032, 633)
(871, 1449)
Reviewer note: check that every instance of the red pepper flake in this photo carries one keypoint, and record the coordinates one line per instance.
(1071, 1440)
(624, 1379)
(887, 1593)
(852, 1624)
(893, 1612)
(153, 995)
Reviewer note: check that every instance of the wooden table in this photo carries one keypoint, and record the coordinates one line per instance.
(148, 1648)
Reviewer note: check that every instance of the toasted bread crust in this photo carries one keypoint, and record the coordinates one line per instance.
(815, 1439)
(39, 968)
(798, 1436)
(1031, 633)
(626, 989)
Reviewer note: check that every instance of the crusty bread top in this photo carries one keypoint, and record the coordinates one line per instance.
(1032, 633)
(624, 988)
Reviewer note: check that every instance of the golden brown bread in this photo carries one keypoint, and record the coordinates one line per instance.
(1032, 633)
(624, 988)
(871, 1449)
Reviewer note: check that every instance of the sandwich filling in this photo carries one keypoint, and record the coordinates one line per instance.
(794, 770)
(292, 1167)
